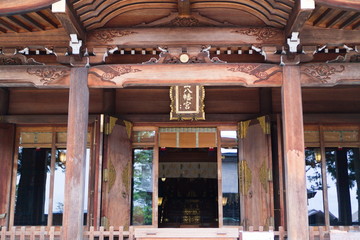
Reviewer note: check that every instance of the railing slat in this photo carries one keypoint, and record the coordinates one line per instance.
(3, 233)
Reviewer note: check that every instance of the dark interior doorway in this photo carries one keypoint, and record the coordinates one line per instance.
(188, 188)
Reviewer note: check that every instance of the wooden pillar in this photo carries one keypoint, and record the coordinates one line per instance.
(76, 154)
(294, 155)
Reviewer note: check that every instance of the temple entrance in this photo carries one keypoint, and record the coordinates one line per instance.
(188, 189)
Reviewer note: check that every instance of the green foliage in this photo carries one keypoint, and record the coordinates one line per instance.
(142, 187)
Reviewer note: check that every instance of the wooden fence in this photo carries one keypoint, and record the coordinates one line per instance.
(43, 233)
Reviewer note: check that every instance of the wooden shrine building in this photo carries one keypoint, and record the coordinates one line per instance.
(185, 119)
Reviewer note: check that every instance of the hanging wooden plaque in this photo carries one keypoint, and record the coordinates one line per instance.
(187, 102)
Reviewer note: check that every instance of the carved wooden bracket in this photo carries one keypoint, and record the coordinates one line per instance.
(184, 55)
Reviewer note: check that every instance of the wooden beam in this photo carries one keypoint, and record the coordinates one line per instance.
(126, 75)
(313, 36)
(68, 18)
(332, 118)
(39, 119)
(38, 76)
(331, 74)
(161, 118)
(351, 5)
(11, 7)
(294, 155)
(249, 75)
(76, 155)
(146, 37)
(49, 38)
(301, 12)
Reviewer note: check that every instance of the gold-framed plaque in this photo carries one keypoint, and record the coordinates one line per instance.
(187, 102)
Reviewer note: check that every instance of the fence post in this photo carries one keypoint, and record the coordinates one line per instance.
(91, 233)
(32, 233)
(311, 233)
(42, 233)
(3, 233)
(52, 233)
(121, 233)
(12, 233)
(22, 233)
(321, 232)
(111, 233)
(101, 235)
(281, 233)
(131, 233)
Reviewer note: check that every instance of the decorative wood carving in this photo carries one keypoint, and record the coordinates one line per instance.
(260, 71)
(110, 72)
(108, 35)
(349, 57)
(260, 33)
(187, 102)
(185, 22)
(322, 72)
(17, 59)
(48, 74)
(170, 36)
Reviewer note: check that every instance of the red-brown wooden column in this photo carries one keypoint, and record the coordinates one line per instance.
(295, 182)
(76, 155)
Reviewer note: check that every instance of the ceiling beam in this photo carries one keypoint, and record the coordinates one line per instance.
(301, 12)
(68, 18)
(351, 5)
(11, 7)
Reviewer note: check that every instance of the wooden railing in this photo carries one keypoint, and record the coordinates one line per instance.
(54, 233)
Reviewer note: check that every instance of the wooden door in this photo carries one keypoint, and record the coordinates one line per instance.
(255, 173)
(116, 191)
(7, 133)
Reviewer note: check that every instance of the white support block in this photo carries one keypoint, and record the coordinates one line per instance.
(257, 235)
(59, 7)
(293, 42)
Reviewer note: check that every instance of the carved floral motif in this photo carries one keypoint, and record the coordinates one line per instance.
(118, 71)
(109, 35)
(17, 59)
(259, 71)
(10, 61)
(259, 33)
(185, 22)
(322, 72)
(48, 74)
